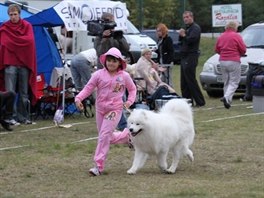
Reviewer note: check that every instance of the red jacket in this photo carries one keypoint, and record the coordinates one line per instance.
(230, 46)
(17, 47)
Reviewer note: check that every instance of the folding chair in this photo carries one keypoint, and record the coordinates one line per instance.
(47, 99)
(166, 75)
(141, 89)
(140, 85)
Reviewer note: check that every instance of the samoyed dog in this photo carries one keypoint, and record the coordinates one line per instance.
(157, 133)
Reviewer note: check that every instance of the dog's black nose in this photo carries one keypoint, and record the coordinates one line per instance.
(131, 130)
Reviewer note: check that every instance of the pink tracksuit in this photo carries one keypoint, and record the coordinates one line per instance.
(109, 106)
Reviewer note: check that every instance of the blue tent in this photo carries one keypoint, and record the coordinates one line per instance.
(48, 56)
(46, 18)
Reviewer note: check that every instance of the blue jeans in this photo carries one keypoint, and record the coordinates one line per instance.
(123, 120)
(16, 80)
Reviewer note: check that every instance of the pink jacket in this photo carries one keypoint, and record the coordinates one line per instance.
(109, 90)
(230, 46)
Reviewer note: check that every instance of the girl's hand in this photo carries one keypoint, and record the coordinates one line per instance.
(79, 105)
(126, 105)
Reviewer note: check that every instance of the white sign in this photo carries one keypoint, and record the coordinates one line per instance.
(221, 14)
(76, 14)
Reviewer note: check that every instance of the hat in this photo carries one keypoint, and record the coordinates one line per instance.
(115, 53)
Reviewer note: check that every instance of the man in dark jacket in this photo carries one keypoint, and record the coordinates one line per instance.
(190, 40)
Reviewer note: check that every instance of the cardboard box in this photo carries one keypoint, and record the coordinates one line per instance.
(258, 104)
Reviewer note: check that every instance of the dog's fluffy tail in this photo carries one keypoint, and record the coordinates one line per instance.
(178, 106)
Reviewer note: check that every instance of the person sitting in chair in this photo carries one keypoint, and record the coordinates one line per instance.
(253, 70)
(6, 108)
(147, 69)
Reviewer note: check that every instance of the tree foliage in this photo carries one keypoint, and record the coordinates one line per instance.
(148, 13)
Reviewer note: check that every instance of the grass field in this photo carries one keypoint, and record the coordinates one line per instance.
(42, 160)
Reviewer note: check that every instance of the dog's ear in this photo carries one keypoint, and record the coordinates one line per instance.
(144, 114)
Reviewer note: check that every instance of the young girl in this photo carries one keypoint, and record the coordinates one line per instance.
(110, 84)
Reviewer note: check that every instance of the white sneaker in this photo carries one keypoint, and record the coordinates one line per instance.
(26, 122)
(94, 171)
(13, 122)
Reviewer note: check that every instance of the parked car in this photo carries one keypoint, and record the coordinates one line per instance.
(175, 37)
(211, 75)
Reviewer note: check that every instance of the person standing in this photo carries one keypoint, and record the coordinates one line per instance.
(190, 40)
(230, 46)
(18, 62)
(110, 38)
(165, 50)
(110, 84)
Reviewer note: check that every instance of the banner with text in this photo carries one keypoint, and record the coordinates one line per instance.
(221, 14)
(76, 14)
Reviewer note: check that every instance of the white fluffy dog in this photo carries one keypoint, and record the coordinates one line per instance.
(154, 133)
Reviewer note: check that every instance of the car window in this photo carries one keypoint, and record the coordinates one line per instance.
(175, 36)
(254, 36)
(151, 34)
(131, 29)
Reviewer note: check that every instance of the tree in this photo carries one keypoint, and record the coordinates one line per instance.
(154, 12)
(170, 12)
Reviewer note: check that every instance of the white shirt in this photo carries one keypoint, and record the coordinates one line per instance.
(90, 55)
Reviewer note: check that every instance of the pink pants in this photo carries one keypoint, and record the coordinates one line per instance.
(106, 125)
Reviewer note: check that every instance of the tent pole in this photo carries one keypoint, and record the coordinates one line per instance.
(63, 73)
(23, 5)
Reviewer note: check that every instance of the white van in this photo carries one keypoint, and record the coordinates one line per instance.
(138, 41)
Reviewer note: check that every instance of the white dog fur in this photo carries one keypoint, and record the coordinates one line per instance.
(170, 129)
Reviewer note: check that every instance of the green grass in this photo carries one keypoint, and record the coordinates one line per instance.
(228, 151)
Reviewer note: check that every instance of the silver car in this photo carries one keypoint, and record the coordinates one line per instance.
(211, 75)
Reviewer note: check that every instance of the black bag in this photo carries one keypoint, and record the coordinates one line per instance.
(161, 93)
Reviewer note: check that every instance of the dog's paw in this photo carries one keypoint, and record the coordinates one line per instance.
(168, 171)
(131, 172)
(190, 156)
